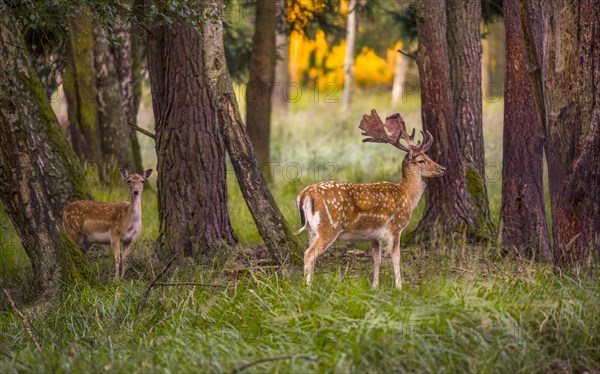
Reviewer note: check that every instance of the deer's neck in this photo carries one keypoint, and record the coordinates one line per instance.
(135, 209)
(413, 185)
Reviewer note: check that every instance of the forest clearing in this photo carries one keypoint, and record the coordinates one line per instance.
(498, 262)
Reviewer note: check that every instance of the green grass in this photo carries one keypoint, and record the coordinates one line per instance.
(462, 308)
(500, 320)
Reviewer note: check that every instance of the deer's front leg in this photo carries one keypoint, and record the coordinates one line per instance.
(376, 253)
(124, 254)
(394, 246)
(115, 242)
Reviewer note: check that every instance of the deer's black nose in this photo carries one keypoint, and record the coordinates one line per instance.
(442, 170)
(136, 192)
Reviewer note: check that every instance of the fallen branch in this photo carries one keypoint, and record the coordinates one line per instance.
(270, 359)
(188, 284)
(166, 268)
(23, 319)
(408, 54)
(143, 131)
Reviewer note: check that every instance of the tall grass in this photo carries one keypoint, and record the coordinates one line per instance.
(444, 319)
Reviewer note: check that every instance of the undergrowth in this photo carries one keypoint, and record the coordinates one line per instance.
(458, 311)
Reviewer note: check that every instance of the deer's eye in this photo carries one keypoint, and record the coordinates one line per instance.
(143, 181)
(421, 161)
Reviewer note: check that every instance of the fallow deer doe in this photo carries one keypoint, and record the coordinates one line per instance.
(373, 212)
(119, 222)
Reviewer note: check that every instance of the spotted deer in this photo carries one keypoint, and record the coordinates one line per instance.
(115, 223)
(371, 212)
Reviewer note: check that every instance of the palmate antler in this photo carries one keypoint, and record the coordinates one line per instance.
(392, 133)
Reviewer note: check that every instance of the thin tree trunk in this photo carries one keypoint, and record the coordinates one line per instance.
(351, 25)
(190, 150)
(259, 91)
(464, 52)
(34, 160)
(445, 208)
(124, 65)
(568, 100)
(115, 134)
(399, 76)
(282, 68)
(80, 90)
(523, 214)
(275, 231)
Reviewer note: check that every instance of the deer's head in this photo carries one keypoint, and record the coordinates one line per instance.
(135, 181)
(394, 132)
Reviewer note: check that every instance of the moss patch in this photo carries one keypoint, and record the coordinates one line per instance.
(475, 185)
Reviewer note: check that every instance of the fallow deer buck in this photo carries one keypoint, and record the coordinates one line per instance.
(115, 223)
(373, 212)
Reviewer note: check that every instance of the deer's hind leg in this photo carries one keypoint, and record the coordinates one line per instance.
(319, 244)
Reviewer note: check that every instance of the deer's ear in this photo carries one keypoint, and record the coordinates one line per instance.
(124, 173)
(147, 173)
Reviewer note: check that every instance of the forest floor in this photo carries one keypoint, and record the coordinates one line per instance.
(463, 307)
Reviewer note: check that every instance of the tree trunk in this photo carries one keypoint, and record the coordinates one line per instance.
(464, 52)
(351, 26)
(399, 75)
(124, 59)
(38, 172)
(446, 205)
(80, 90)
(568, 98)
(259, 91)
(523, 214)
(115, 134)
(190, 150)
(281, 242)
(282, 68)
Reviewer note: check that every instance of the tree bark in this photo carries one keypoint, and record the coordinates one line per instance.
(129, 82)
(34, 161)
(190, 150)
(351, 26)
(80, 90)
(523, 215)
(115, 134)
(282, 68)
(259, 91)
(446, 205)
(464, 52)
(282, 244)
(565, 71)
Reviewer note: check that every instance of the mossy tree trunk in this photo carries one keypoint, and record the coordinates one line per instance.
(464, 52)
(38, 172)
(446, 205)
(80, 89)
(565, 67)
(115, 134)
(190, 150)
(523, 215)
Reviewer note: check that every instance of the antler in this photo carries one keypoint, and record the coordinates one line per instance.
(374, 128)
